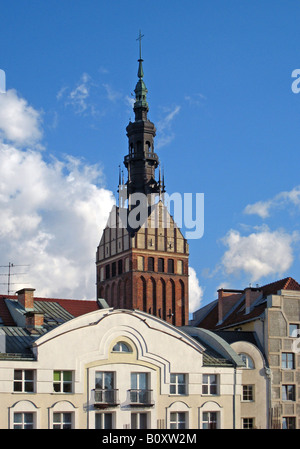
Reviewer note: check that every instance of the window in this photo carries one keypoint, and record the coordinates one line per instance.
(161, 265)
(178, 420)
(150, 263)
(121, 347)
(248, 423)
(294, 330)
(127, 264)
(178, 384)
(209, 384)
(24, 380)
(248, 393)
(139, 420)
(170, 266)
(107, 272)
(287, 360)
(288, 392)
(289, 422)
(23, 420)
(62, 381)
(113, 269)
(62, 420)
(139, 392)
(247, 360)
(103, 421)
(209, 420)
(104, 387)
(120, 266)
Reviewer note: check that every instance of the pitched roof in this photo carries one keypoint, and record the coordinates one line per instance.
(237, 315)
(72, 307)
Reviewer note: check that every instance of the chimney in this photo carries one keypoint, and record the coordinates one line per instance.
(34, 320)
(25, 298)
(251, 294)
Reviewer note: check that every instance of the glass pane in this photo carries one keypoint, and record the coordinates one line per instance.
(67, 376)
(134, 381)
(28, 426)
(173, 378)
(67, 388)
(56, 388)
(67, 418)
(18, 374)
(28, 418)
(98, 421)
(28, 375)
(133, 420)
(108, 381)
(143, 420)
(17, 386)
(181, 378)
(99, 380)
(56, 417)
(108, 421)
(142, 381)
(56, 376)
(181, 416)
(29, 387)
(18, 417)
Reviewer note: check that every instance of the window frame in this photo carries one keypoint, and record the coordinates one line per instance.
(210, 385)
(174, 382)
(285, 393)
(23, 382)
(209, 423)
(62, 422)
(62, 383)
(176, 422)
(102, 416)
(285, 362)
(248, 393)
(23, 424)
(138, 425)
(248, 423)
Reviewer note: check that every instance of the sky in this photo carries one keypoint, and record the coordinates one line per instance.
(223, 95)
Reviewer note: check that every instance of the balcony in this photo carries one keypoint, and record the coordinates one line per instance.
(141, 398)
(106, 398)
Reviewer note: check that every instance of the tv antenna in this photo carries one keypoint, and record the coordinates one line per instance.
(10, 266)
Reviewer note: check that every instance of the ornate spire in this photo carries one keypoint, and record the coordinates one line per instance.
(140, 106)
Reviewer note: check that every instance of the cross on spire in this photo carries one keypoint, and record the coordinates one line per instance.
(140, 39)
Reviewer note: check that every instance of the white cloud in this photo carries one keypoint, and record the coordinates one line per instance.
(52, 213)
(195, 291)
(112, 94)
(52, 218)
(79, 97)
(165, 133)
(281, 200)
(20, 123)
(258, 254)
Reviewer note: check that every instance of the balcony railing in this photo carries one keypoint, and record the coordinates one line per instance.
(106, 398)
(141, 398)
(140, 155)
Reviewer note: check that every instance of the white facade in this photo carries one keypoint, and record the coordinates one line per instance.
(156, 377)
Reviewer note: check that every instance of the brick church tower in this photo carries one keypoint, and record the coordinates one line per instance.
(142, 259)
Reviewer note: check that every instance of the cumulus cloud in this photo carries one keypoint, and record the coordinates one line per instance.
(259, 254)
(195, 291)
(281, 200)
(20, 123)
(52, 213)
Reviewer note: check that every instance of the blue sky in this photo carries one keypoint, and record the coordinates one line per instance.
(219, 81)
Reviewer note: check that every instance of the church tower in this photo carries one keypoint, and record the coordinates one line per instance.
(142, 263)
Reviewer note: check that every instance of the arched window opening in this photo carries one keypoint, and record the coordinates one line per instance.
(121, 346)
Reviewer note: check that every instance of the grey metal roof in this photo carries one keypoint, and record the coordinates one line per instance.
(54, 313)
(18, 340)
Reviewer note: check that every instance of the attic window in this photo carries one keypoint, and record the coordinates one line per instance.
(122, 347)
